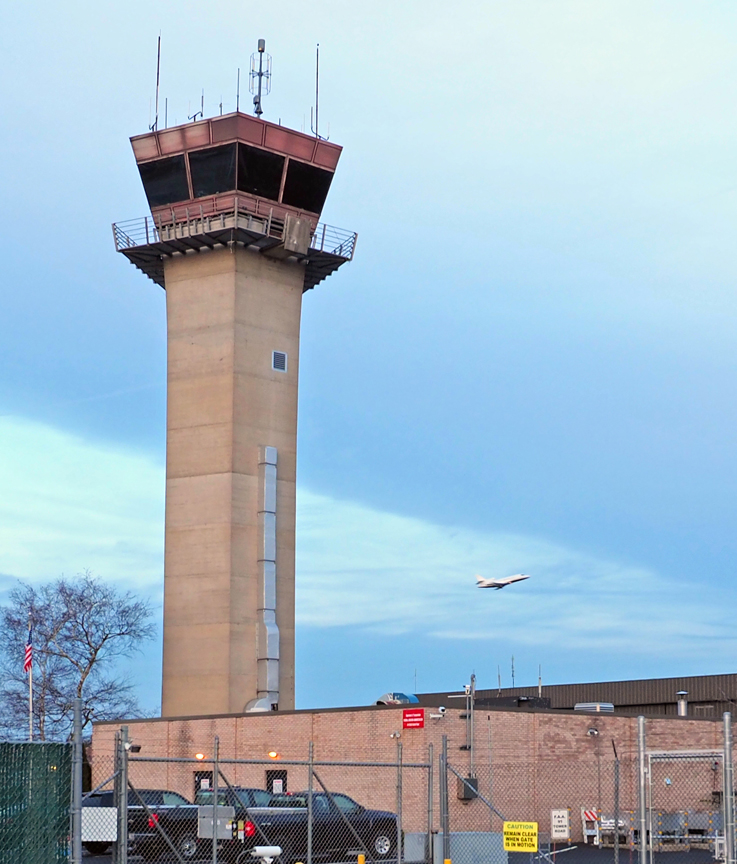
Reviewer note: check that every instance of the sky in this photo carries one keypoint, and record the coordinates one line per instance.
(528, 367)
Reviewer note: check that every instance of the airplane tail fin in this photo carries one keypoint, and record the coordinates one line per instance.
(479, 578)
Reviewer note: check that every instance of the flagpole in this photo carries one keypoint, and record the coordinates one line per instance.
(28, 666)
(30, 704)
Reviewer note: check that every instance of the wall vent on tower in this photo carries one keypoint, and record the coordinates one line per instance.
(279, 361)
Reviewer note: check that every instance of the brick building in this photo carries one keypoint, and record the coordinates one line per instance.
(526, 762)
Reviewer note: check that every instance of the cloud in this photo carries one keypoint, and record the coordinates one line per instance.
(392, 574)
(66, 504)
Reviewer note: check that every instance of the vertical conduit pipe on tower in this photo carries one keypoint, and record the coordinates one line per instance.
(268, 632)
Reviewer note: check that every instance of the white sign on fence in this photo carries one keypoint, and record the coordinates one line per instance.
(99, 824)
(560, 825)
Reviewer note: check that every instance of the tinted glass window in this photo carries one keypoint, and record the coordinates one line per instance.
(165, 181)
(287, 801)
(306, 187)
(204, 797)
(212, 170)
(344, 803)
(259, 172)
(173, 799)
(320, 804)
(151, 797)
(261, 797)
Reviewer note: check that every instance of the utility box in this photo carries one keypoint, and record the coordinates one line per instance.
(468, 788)
(225, 816)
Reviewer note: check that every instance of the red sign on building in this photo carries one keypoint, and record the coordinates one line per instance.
(413, 718)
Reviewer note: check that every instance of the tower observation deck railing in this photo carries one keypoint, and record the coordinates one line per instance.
(171, 226)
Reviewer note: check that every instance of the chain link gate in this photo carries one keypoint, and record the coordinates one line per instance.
(685, 801)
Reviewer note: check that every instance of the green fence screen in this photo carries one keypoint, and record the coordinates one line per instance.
(35, 797)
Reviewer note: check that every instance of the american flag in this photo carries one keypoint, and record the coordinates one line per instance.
(28, 661)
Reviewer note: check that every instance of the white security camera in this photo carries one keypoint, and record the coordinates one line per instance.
(266, 853)
(593, 732)
(442, 709)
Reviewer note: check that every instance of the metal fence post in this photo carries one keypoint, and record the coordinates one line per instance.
(728, 793)
(120, 796)
(430, 761)
(399, 801)
(116, 799)
(216, 770)
(443, 781)
(77, 784)
(310, 764)
(616, 804)
(642, 788)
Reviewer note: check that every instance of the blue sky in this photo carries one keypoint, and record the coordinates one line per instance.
(529, 366)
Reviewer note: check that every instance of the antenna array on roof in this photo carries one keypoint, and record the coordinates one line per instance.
(260, 83)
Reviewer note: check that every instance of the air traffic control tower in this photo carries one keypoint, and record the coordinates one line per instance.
(234, 238)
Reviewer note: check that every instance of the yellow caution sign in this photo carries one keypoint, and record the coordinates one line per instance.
(520, 836)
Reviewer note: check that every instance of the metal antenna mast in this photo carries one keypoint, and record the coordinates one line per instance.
(155, 125)
(315, 129)
(260, 83)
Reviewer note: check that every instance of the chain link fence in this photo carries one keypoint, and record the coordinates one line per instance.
(627, 807)
(35, 799)
(244, 810)
(593, 810)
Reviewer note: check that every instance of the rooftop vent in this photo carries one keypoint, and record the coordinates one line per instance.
(594, 707)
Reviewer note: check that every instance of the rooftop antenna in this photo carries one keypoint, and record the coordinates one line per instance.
(201, 112)
(155, 125)
(512, 671)
(260, 84)
(499, 679)
(166, 113)
(238, 91)
(540, 681)
(316, 128)
(315, 131)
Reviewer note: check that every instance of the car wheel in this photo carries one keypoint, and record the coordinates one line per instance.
(96, 848)
(187, 847)
(382, 844)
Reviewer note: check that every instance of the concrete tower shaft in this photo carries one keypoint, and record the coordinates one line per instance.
(235, 240)
(227, 313)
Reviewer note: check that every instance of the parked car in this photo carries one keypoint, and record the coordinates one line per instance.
(173, 812)
(340, 827)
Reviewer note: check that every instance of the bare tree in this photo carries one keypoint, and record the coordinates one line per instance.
(81, 628)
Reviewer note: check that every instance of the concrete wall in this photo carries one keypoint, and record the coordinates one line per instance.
(227, 311)
(527, 763)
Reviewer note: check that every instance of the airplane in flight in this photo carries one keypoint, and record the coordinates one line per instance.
(499, 583)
